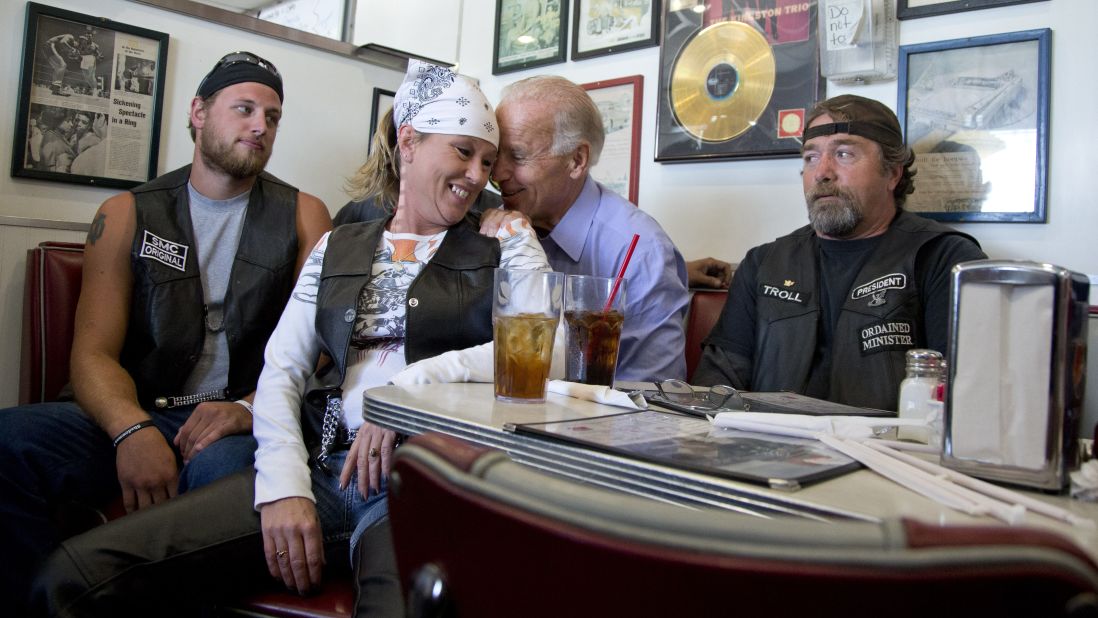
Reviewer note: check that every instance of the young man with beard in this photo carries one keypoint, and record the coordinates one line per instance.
(830, 310)
(184, 278)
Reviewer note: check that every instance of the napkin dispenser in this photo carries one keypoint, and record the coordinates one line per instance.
(1018, 344)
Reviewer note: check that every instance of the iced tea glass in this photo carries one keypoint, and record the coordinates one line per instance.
(525, 313)
(593, 328)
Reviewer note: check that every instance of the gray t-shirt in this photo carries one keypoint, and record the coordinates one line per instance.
(217, 226)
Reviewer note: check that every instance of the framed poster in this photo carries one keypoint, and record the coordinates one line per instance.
(529, 33)
(975, 111)
(737, 78)
(90, 99)
(383, 102)
(619, 101)
(909, 9)
(601, 27)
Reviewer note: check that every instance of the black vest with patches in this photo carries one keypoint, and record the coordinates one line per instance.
(167, 321)
(881, 317)
(448, 306)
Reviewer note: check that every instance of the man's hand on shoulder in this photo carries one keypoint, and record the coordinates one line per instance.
(495, 219)
(211, 421)
(147, 471)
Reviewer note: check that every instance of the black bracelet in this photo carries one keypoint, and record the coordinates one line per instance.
(130, 430)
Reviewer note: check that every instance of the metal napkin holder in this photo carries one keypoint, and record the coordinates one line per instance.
(1060, 395)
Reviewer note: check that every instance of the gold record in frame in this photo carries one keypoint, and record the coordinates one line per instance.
(722, 81)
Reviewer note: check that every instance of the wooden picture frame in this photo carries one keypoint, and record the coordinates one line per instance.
(912, 9)
(528, 34)
(382, 102)
(620, 102)
(90, 100)
(603, 27)
(976, 113)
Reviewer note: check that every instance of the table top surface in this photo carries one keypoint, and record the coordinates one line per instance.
(470, 411)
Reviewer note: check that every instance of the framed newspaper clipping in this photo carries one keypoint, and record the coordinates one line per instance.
(975, 111)
(90, 100)
(529, 33)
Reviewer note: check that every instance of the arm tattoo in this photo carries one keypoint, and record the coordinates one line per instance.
(97, 227)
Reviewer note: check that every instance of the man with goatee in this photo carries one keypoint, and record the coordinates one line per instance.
(830, 310)
(184, 279)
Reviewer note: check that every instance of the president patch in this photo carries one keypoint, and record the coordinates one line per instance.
(887, 336)
(895, 281)
(784, 292)
(164, 251)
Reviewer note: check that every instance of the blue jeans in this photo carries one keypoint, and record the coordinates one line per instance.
(344, 514)
(55, 459)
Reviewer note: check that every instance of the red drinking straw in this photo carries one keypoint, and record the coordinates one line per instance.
(621, 273)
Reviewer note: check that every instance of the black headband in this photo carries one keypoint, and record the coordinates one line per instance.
(237, 68)
(880, 134)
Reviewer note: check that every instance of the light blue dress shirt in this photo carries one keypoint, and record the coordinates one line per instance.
(592, 239)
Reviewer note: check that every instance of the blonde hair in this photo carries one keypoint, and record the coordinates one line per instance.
(379, 176)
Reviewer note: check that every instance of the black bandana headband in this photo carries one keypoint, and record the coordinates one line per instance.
(875, 132)
(237, 68)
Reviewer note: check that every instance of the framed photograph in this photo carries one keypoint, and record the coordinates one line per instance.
(90, 99)
(601, 27)
(383, 102)
(910, 9)
(975, 111)
(737, 78)
(529, 33)
(619, 101)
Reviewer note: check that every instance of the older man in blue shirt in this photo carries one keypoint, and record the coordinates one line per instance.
(551, 135)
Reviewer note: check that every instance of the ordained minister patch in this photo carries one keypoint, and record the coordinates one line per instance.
(887, 336)
(164, 251)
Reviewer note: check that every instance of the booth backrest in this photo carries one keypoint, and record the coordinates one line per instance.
(479, 535)
(49, 305)
(705, 308)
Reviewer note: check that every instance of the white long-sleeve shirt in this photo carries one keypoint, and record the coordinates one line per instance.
(377, 354)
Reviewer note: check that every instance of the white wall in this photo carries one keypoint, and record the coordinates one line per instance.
(321, 140)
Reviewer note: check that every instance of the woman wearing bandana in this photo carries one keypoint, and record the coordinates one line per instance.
(372, 298)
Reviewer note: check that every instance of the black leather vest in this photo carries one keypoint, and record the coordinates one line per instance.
(449, 304)
(881, 318)
(167, 323)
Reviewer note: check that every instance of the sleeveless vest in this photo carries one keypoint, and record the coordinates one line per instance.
(881, 318)
(167, 322)
(449, 304)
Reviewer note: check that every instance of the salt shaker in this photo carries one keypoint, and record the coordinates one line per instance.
(918, 390)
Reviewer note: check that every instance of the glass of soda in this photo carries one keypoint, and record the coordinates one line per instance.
(593, 328)
(525, 313)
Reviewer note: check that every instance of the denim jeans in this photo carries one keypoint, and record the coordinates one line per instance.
(195, 549)
(54, 458)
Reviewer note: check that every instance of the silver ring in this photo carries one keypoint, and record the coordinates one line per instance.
(281, 553)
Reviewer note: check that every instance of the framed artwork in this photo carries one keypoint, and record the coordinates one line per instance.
(90, 98)
(529, 33)
(737, 78)
(383, 102)
(601, 27)
(619, 101)
(975, 111)
(910, 9)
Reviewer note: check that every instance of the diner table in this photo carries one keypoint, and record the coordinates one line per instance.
(470, 411)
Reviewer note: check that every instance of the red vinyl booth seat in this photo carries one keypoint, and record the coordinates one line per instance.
(705, 308)
(479, 535)
(49, 307)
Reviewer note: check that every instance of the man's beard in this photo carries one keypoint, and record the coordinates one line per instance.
(220, 156)
(836, 219)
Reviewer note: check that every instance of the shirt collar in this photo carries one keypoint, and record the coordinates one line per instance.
(572, 231)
